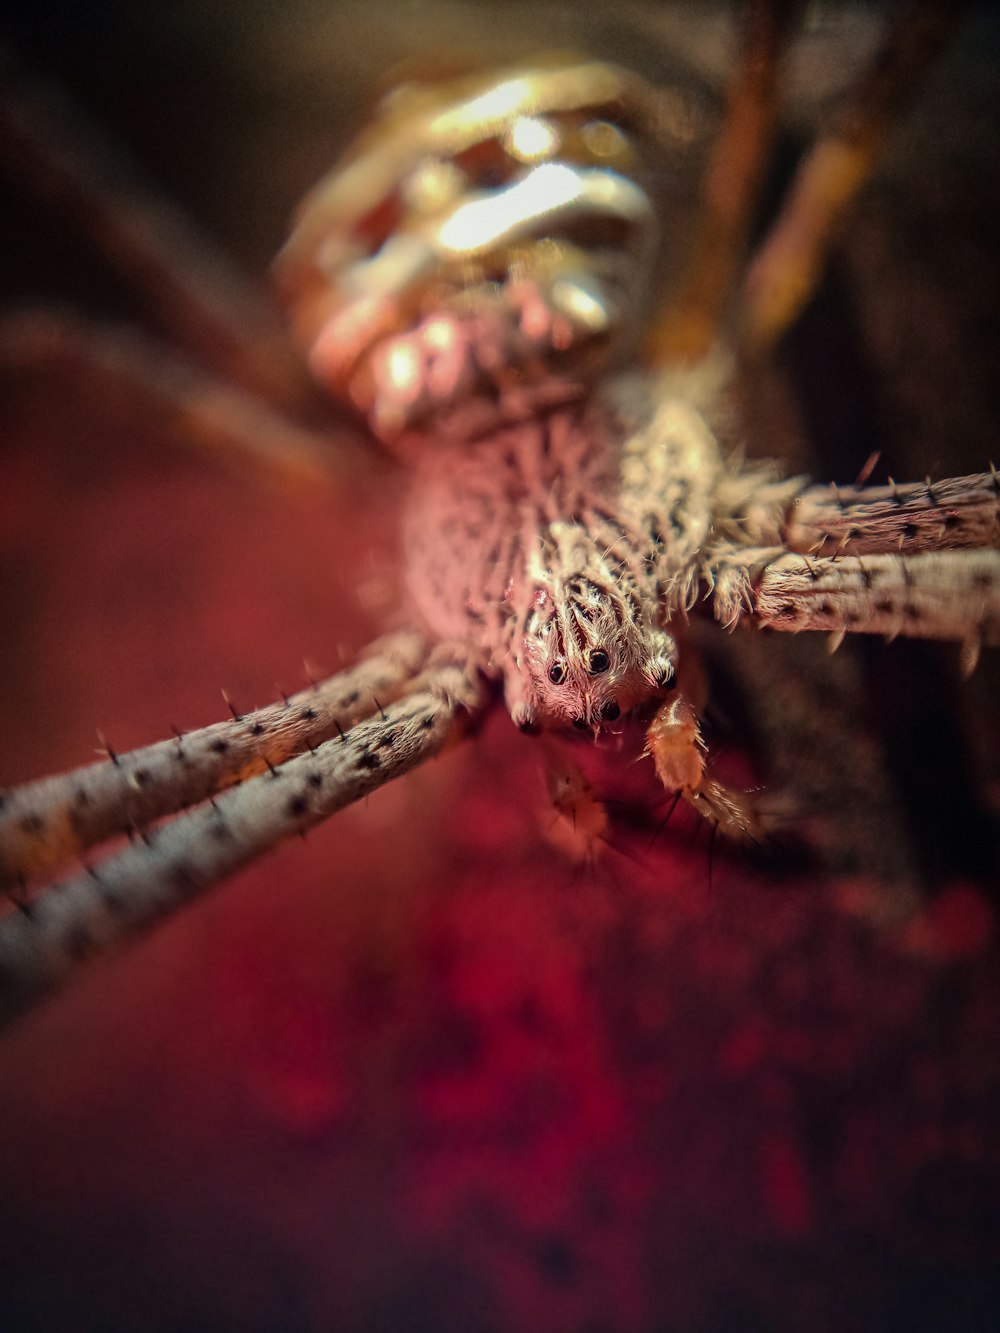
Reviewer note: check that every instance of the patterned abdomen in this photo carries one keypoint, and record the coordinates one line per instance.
(482, 251)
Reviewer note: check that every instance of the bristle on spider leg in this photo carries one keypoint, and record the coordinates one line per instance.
(936, 595)
(103, 908)
(45, 823)
(953, 513)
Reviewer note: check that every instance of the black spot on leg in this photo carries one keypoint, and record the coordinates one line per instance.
(141, 777)
(78, 943)
(909, 532)
(387, 740)
(369, 759)
(885, 605)
(219, 746)
(182, 877)
(257, 728)
(427, 722)
(32, 825)
(308, 714)
(786, 611)
(982, 580)
(297, 806)
(81, 798)
(315, 780)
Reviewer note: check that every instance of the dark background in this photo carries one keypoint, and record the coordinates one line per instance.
(421, 1072)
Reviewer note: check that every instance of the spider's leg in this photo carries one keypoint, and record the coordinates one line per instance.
(869, 520)
(690, 324)
(128, 373)
(935, 595)
(45, 823)
(192, 290)
(44, 943)
(789, 264)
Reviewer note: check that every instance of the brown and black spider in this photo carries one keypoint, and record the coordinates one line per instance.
(215, 517)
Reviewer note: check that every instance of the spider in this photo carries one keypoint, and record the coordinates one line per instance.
(470, 289)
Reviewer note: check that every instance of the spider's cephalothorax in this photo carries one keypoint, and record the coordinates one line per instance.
(560, 549)
(481, 253)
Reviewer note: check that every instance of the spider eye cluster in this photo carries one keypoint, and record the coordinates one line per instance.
(482, 252)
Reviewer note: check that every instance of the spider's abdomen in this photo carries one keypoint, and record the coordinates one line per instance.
(482, 251)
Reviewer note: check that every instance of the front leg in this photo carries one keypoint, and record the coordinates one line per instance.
(937, 595)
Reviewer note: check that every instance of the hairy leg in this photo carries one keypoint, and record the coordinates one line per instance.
(45, 942)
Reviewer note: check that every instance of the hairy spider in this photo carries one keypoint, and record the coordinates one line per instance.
(469, 278)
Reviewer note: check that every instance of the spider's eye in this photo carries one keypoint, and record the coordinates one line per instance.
(611, 712)
(598, 662)
(557, 673)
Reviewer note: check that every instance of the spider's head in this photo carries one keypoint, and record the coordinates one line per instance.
(585, 660)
